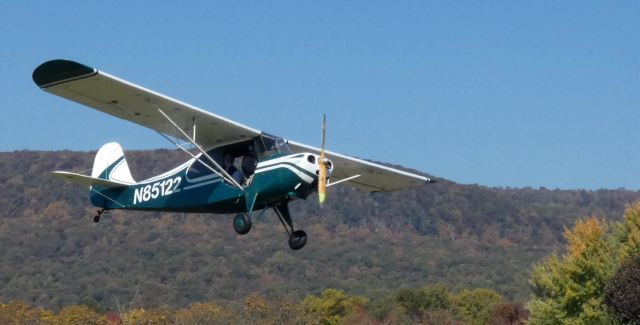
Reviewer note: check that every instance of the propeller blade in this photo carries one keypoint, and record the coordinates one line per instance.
(322, 168)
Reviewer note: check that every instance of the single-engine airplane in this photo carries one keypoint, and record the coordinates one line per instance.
(233, 168)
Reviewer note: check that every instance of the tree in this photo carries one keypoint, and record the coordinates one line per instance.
(474, 306)
(569, 289)
(147, 316)
(257, 308)
(627, 233)
(507, 313)
(332, 306)
(418, 301)
(19, 312)
(622, 293)
(78, 314)
(202, 313)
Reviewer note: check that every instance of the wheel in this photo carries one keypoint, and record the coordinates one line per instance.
(297, 240)
(241, 223)
(96, 218)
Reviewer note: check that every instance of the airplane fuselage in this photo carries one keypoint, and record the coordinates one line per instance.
(276, 179)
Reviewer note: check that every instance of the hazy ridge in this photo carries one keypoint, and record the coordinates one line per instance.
(52, 254)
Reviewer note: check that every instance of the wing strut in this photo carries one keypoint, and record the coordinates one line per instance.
(221, 172)
(192, 140)
(343, 180)
(192, 155)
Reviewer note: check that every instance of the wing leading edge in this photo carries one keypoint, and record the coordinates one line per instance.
(114, 96)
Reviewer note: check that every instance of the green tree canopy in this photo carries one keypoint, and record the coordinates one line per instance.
(475, 306)
(570, 289)
(332, 306)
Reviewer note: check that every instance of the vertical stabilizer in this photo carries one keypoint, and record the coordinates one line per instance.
(110, 164)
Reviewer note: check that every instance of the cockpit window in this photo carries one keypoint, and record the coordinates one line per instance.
(271, 145)
(198, 169)
(282, 146)
(245, 155)
(243, 158)
(268, 146)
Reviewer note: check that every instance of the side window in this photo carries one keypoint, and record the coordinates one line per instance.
(199, 167)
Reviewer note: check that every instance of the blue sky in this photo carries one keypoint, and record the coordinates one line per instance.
(499, 93)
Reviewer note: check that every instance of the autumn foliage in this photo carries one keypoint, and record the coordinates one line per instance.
(587, 285)
(433, 304)
(381, 253)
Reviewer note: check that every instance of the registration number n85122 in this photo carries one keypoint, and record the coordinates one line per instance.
(157, 189)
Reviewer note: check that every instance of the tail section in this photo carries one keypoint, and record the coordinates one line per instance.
(110, 174)
(111, 165)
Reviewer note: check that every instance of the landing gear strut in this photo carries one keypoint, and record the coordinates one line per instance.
(96, 218)
(297, 238)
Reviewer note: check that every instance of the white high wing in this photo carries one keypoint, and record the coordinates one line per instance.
(128, 101)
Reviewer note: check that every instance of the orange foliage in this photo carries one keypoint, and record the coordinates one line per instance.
(583, 235)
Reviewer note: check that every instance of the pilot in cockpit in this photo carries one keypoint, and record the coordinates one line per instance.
(231, 169)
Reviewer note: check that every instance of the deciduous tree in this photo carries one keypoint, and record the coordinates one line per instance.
(622, 293)
(474, 306)
(332, 306)
(568, 289)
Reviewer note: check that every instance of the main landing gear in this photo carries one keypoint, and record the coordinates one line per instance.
(241, 223)
(297, 238)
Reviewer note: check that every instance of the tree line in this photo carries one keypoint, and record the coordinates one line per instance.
(432, 304)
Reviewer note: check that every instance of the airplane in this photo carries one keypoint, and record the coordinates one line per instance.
(233, 169)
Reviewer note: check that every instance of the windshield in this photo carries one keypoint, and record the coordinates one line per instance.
(271, 145)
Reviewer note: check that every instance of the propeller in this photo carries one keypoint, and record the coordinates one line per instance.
(322, 167)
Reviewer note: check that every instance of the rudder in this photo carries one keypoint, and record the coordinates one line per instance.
(110, 164)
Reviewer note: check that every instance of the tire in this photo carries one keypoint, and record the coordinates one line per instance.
(241, 223)
(297, 240)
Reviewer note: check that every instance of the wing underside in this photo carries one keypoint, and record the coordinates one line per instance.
(120, 98)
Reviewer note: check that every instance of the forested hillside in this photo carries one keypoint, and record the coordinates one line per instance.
(370, 245)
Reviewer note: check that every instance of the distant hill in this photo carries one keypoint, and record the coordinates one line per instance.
(52, 254)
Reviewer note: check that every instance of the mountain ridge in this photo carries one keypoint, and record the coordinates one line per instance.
(460, 235)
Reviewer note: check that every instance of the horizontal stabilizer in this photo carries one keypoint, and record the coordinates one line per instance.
(88, 180)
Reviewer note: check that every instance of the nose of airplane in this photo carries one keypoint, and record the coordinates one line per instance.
(329, 164)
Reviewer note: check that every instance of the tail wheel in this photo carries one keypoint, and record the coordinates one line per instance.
(241, 223)
(297, 240)
(96, 218)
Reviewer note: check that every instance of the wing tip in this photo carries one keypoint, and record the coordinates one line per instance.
(57, 71)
